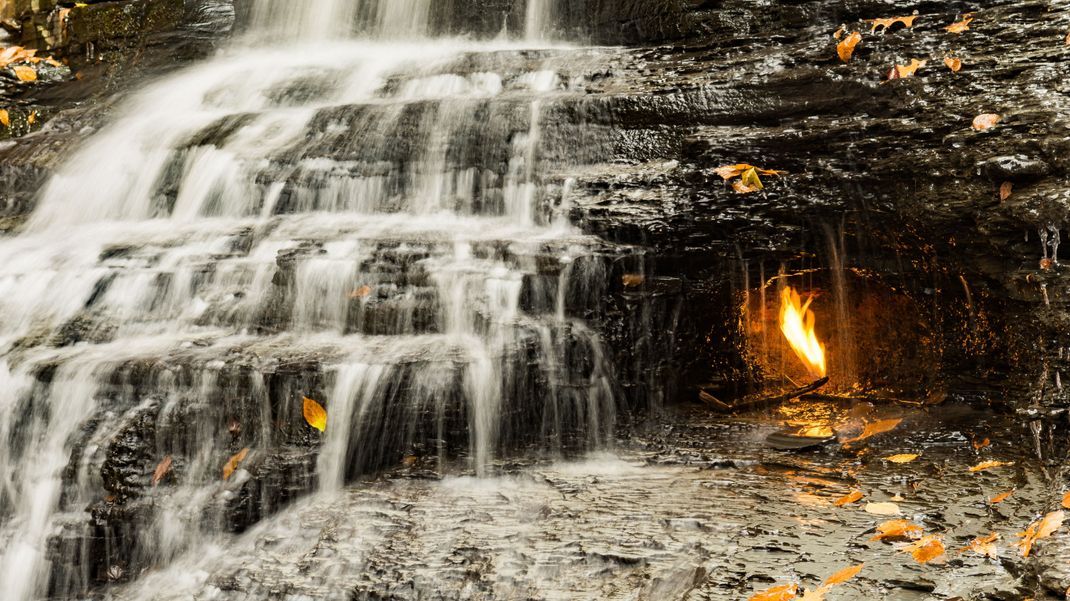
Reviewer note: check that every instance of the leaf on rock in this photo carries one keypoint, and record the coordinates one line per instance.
(1039, 529)
(905, 71)
(926, 549)
(985, 121)
(232, 464)
(874, 428)
(898, 530)
(902, 458)
(315, 414)
(887, 23)
(784, 592)
(1005, 190)
(955, 64)
(844, 575)
(5, 118)
(1001, 497)
(1066, 501)
(882, 508)
(727, 172)
(980, 444)
(961, 26)
(984, 545)
(162, 469)
(361, 292)
(836, 35)
(632, 280)
(25, 74)
(851, 497)
(751, 180)
(31, 118)
(817, 594)
(846, 47)
(987, 465)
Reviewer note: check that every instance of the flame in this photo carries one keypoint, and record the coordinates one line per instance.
(797, 324)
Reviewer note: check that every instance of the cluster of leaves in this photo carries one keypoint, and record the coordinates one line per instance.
(788, 592)
(22, 63)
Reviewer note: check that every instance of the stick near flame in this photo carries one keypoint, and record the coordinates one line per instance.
(797, 324)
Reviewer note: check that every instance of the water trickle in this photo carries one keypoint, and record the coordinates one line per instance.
(361, 218)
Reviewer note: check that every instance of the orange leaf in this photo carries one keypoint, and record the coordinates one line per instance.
(1005, 190)
(980, 444)
(1066, 501)
(983, 545)
(926, 549)
(24, 73)
(962, 25)
(31, 118)
(887, 23)
(846, 47)
(727, 172)
(902, 458)
(632, 280)
(898, 530)
(1039, 529)
(904, 71)
(162, 469)
(985, 121)
(986, 465)
(361, 292)
(851, 497)
(315, 414)
(5, 118)
(1001, 497)
(232, 464)
(844, 575)
(817, 594)
(874, 428)
(836, 35)
(784, 592)
(955, 64)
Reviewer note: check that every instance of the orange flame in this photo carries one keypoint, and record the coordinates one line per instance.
(797, 324)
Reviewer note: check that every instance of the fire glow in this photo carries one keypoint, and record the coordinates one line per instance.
(797, 324)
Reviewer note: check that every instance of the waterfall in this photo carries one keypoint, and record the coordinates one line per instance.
(336, 207)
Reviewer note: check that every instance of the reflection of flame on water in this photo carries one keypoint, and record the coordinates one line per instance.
(797, 324)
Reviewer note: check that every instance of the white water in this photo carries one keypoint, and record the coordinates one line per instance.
(168, 252)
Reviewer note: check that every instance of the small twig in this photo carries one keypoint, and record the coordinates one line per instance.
(760, 402)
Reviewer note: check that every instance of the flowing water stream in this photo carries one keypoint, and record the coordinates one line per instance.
(337, 206)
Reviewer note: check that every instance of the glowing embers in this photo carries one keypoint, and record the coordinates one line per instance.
(797, 325)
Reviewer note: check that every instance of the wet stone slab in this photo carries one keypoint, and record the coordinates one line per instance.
(690, 507)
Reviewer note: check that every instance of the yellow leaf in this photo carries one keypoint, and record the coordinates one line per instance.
(5, 118)
(898, 530)
(902, 458)
(846, 48)
(874, 428)
(1039, 529)
(1001, 497)
(882, 508)
(727, 172)
(1066, 501)
(162, 469)
(751, 180)
(985, 121)
(24, 73)
(955, 64)
(232, 464)
(926, 549)
(1005, 190)
(962, 25)
(784, 592)
(315, 414)
(31, 118)
(887, 23)
(987, 465)
(849, 498)
(844, 575)
(983, 545)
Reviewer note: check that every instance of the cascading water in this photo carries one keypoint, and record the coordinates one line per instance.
(358, 218)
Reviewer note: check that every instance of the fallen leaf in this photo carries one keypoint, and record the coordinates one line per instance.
(874, 428)
(962, 25)
(5, 118)
(632, 280)
(980, 444)
(839, 33)
(24, 73)
(905, 71)
(846, 47)
(955, 64)
(1039, 529)
(31, 118)
(817, 594)
(882, 508)
(898, 530)
(983, 545)
(985, 121)
(232, 464)
(784, 592)
(851, 497)
(742, 188)
(986, 465)
(844, 575)
(315, 414)
(902, 458)
(926, 549)
(1001, 497)
(727, 172)
(750, 178)
(1066, 501)
(1046, 263)
(162, 469)
(1005, 190)
(361, 292)
(887, 23)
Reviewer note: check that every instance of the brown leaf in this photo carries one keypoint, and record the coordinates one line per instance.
(902, 458)
(5, 118)
(844, 575)
(162, 469)
(361, 292)
(232, 464)
(898, 530)
(1066, 501)
(955, 64)
(1046, 263)
(846, 47)
(784, 592)
(1005, 190)
(632, 280)
(961, 26)
(926, 549)
(874, 428)
(980, 444)
(985, 121)
(1001, 497)
(24, 73)
(851, 497)
(887, 23)
(983, 545)
(315, 414)
(1039, 529)
(987, 465)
